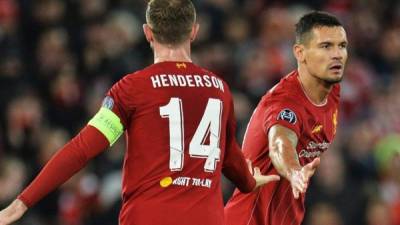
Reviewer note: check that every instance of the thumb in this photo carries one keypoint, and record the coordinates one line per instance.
(261, 179)
(314, 164)
(270, 178)
(310, 168)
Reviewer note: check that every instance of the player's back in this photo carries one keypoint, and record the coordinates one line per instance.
(175, 116)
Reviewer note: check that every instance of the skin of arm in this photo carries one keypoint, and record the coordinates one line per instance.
(282, 151)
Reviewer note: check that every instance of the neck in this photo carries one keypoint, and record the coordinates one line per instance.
(316, 89)
(165, 53)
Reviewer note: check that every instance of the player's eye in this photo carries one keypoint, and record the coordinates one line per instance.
(343, 45)
(325, 45)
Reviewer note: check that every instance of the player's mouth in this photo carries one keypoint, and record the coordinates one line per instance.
(336, 68)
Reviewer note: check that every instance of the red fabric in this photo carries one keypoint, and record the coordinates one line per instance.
(137, 99)
(235, 163)
(274, 204)
(65, 163)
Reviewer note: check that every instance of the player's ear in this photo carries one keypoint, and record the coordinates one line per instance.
(148, 33)
(195, 30)
(298, 51)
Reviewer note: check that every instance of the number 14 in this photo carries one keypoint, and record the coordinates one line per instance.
(210, 125)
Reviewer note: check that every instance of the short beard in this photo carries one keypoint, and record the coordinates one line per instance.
(333, 81)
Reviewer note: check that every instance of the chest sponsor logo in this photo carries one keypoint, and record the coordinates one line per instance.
(314, 149)
(287, 115)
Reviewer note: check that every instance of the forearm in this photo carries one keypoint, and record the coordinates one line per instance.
(64, 164)
(282, 150)
(284, 158)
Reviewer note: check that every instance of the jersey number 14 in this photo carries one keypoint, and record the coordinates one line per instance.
(210, 125)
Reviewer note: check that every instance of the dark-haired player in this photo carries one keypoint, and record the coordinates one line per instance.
(294, 123)
(180, 132)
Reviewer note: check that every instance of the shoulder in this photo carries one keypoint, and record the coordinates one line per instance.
(129, 86)
(210, 73)
(286, 91)
(131, 79)
(284, 99)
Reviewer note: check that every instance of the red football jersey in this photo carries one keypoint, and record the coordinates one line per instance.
(178, 121)
(315, 125)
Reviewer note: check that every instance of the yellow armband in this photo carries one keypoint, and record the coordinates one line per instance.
(108, 123)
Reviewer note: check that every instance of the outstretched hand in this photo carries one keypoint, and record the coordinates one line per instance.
(13, 212)
(260, 179)
(299, 179)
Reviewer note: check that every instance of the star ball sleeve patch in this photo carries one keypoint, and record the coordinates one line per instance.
(108, 103)
(287, 115)
(108, 123)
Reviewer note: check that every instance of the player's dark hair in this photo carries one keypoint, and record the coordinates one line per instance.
(171, 20)
(311, 20)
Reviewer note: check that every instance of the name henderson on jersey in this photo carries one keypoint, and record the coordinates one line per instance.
(172, 80)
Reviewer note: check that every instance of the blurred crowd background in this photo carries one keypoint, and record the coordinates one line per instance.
(59, 57)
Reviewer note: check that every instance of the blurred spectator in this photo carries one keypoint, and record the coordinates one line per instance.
(331, 184)
(12, 179)
(326, 214)
(378, 214)
(388, 156)
(24, 119)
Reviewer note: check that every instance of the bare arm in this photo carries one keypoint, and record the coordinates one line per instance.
(282, 151)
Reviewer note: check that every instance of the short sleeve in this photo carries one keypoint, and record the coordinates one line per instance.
(284, 112)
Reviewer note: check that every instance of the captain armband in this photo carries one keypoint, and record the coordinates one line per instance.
(108, 123)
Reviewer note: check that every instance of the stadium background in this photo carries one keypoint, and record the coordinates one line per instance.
(59, 57)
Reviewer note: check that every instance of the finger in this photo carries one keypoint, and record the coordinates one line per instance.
(298, 181)
(257, 171)
(310, 168)
(314, 164)
(295, 193)
(262, 180)
(299, 184)
(308, 174)
(269, 178)
(249, 166)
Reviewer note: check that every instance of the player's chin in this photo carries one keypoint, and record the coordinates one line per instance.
(334, 79)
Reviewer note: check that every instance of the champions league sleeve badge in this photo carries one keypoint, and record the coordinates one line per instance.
(287, 115)
(108, 103)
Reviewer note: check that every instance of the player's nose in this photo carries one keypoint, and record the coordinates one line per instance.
(337, 53)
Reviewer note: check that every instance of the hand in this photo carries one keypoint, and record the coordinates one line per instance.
(261, 179)
(13, 212)
(299, 179)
